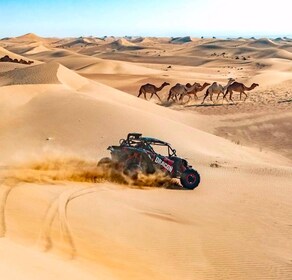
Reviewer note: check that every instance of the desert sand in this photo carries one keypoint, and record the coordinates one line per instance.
(60, 113)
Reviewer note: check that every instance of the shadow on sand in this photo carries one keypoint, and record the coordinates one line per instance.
(285, 101)
(210, 105)
(185, 105)
(166, 103)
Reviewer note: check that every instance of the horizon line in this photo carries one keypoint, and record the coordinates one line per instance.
(258, 36)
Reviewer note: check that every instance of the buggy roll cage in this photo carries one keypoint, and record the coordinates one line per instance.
(136, 140)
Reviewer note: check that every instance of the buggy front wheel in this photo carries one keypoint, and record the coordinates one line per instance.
(190, 179)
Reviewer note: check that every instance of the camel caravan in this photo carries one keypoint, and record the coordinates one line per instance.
(183, 93)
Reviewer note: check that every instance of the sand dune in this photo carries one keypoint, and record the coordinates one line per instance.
(181, 40)
(85, 64)
(123, 44)
(37, 49)
(39, 74)
(262, 43)
(29, 37)
(8, 66)
(99, 105)
(67, 58)
(116, 67)
(110, 38)
(159, 210)
(147, 41)
(47, 73)
(79, 42)
(137, 250)
(142, 40)
(61, 217)
(12, 55)
(44, 266)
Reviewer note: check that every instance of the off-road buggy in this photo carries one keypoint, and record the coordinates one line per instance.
(140, 154)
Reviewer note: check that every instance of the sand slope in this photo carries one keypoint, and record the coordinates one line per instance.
(48, 73)
(37, 49)
(12, 55)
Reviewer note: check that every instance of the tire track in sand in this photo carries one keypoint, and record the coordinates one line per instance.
(4, 193)
(58, 208)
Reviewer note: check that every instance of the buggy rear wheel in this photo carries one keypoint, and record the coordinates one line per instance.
(105, 162)
(190, 179)
(132, 170)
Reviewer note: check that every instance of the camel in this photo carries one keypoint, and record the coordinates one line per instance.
(196, 89)
(217, 88)
(149, 88)
(180, 90)
(239, 87)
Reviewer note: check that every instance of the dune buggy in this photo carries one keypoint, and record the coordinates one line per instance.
(141, 154)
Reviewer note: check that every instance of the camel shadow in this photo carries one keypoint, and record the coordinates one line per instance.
(166, 103)
(210, 105)
(285, 101)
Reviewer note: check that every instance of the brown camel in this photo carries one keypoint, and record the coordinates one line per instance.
(217, 88)
(149, 88)
(180, 90)
(196, 89)
(239, 87)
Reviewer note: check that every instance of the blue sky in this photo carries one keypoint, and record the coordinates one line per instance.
(222, 18)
